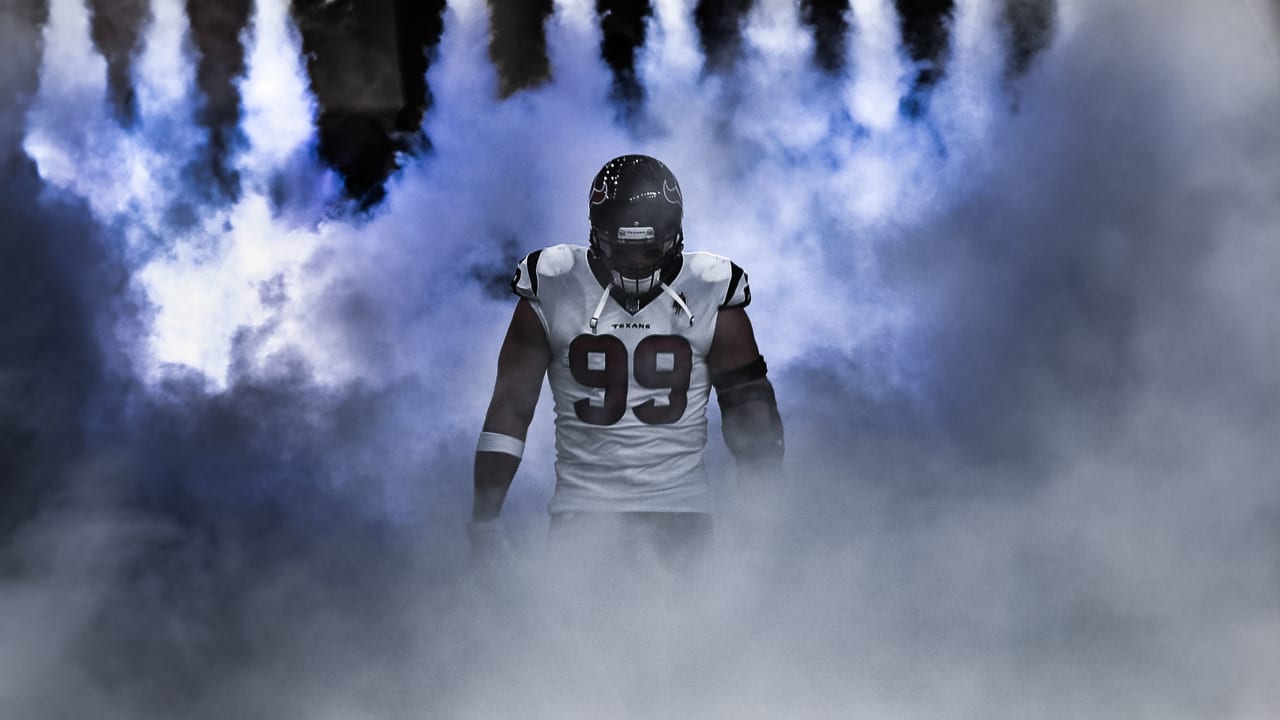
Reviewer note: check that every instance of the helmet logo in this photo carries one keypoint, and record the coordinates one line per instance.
(600, 194)
(668, 192)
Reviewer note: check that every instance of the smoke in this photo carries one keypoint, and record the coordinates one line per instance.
(1022, 338)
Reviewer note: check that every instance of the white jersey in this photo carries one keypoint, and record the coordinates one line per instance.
(630, 395)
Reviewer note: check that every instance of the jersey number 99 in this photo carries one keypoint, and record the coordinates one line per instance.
(613, 376)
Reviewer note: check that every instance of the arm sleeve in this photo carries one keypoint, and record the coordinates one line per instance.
(525, 283)
(738, 292)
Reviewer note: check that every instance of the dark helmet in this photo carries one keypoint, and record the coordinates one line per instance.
(636, 211)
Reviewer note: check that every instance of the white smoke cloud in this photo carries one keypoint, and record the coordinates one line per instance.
(1102, 255)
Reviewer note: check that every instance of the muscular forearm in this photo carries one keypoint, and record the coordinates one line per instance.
(752, 428)
(497, 457)
(493, 474)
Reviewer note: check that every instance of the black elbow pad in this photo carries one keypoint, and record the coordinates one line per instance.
(728, 379)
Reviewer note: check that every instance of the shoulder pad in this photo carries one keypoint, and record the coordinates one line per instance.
(707, 266)
(558, 260)
(545, 263)
(723, 272)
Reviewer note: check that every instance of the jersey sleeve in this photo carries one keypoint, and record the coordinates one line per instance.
(525, 283)
(738, 293)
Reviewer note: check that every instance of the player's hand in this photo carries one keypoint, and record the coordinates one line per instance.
(489, 544)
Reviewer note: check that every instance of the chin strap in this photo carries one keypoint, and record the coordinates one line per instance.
(595, 317)
(604, 298)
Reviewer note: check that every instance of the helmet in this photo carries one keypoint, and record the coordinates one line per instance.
(636, 210)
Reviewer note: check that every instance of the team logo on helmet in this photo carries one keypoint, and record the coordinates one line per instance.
(671, 194)
(600, 194)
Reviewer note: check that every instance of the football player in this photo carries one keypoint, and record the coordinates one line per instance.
(633, 333)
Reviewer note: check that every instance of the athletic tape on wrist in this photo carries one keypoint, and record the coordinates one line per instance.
(499, 443)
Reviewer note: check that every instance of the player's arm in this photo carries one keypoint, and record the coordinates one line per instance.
(748, 408)
(522, 363)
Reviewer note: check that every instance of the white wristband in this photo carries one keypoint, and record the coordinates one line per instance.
(499, 443)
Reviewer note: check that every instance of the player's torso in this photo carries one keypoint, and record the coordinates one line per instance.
(630, 396)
